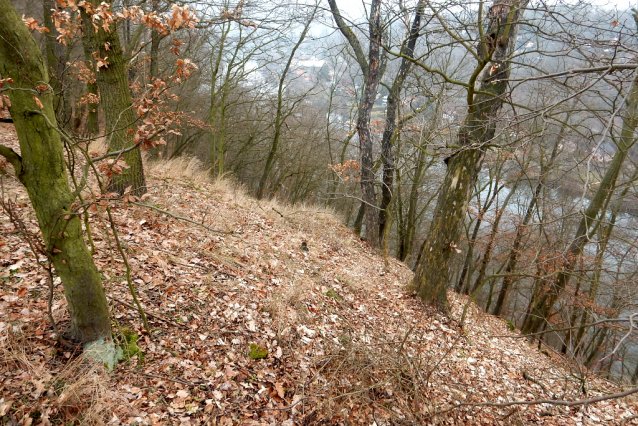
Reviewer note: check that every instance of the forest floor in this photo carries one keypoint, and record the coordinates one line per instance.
(344, 342)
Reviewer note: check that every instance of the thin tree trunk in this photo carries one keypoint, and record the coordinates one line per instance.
(387, 154)
(371, 69)
(487, 256)
(461, 285)
(589, 222)
(280, 116)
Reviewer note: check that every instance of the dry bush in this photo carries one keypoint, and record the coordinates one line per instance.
(77, 393)
(385, 378)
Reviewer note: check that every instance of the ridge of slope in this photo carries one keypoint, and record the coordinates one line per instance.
(346, 344)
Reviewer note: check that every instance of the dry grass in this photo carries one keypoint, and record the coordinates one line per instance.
(75, 391)
(190, 169)
(98, 147)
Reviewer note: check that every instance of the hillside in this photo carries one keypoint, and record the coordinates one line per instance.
(346, 344)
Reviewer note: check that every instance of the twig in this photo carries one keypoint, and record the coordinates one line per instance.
(185, 219)
(128, 271)
(36, 248)
(577, 327)
(153, 376)
(527, 376)
(150, 314)
(544, 401)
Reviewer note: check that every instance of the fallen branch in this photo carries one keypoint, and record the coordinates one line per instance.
(544, 401)
(150, 314)
(185, 219)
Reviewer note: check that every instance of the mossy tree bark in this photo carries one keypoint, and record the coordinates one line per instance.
(42, 170)
(115, 98)
(495, 47)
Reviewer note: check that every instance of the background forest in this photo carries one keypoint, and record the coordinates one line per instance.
(488, 145)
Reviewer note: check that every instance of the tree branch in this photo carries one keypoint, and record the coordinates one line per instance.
(350, 36)
(13, 158)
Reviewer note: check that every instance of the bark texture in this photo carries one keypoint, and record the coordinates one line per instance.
(433, 271)
(115, 98)
(42, 170)
(387, 152)
(371, 68)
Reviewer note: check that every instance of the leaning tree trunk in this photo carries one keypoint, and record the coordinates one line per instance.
(41, 168)
(115, 98)
(433, 272)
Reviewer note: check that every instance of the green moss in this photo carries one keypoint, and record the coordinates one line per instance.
(257, 351)
(510, 324)
(127, 346)
(334, 295)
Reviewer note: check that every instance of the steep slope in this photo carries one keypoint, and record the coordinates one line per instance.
(346, 344)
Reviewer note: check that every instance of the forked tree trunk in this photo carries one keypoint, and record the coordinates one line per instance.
(371, 68)
(433, 272)
(115, 98)
(42, 171)
(387, 151)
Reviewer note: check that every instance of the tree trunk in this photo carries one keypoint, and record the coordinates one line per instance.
(387, 154)
(280, 116)
(115, 98)
(363, 126)
(433, 273)
(42, 171)
(372, 75)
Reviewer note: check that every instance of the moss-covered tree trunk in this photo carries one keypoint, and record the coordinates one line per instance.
(115, 99)
(496, 46)
(42, 170)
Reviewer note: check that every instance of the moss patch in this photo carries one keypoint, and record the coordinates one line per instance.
(334, 295)
(257, 351)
